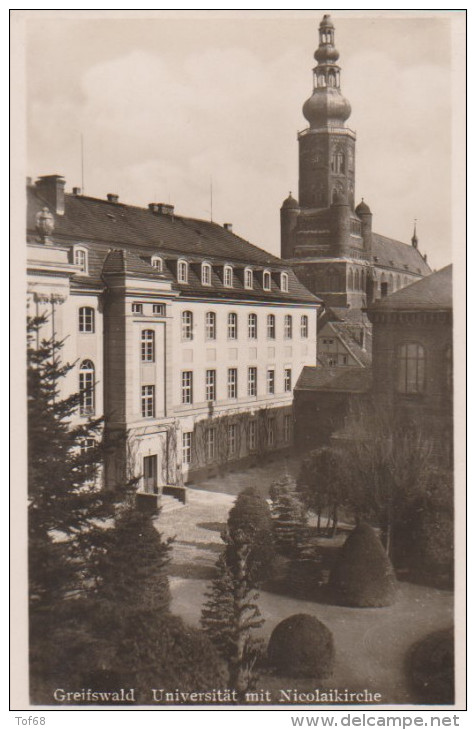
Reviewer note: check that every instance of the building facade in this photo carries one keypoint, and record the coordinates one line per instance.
(186, 337)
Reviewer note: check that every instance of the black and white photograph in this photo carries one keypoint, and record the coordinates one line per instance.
(242, 482)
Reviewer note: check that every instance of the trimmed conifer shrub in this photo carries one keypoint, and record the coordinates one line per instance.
(431, 665)
(250, 522)
(363, 575)
(302, 646)
(289, 517)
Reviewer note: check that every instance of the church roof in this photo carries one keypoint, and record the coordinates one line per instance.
(432, 292)
(389, 253)
(102, 226)
(345, 380)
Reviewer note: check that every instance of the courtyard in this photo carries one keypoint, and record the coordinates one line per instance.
(371, 643)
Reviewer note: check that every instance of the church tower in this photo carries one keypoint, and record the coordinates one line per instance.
(327, 147)
(322, 233)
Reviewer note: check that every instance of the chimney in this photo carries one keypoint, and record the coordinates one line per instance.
(228, 226)
(153, 207)
(51, 189)
(113, 198)
(165, 209)
(76, 191)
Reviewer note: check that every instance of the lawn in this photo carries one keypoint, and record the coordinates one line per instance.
(371, 643)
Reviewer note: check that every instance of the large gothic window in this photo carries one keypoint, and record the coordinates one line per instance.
(410, 368)
(338, 163)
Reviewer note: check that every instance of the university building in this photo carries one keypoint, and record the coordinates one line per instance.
(330, 243)
(187, 338)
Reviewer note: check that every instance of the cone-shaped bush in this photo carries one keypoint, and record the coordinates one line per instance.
(363, 575)
(302, 646)
(430, 665)
(250, 521)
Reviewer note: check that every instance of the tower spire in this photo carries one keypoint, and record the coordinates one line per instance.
(414, 237)
(326, 106)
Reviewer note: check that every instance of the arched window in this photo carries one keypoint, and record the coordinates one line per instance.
(399, 282)
(227, 276)
(210, 326)
(271, 327)
(362, 280)
(332, 80)
(248, 278)
(148, 346)
(182, 271)
(266, 280)
(157, 263)
(232, 326)
(383, 286)
(187, 325)
(86, 319)
(80, 258)
(86, 388)
(252, 326)
(206, 274)
(288, 327)
(304, 326)
(284, 282)
(410, 368)
(390, 284)
(338, 163)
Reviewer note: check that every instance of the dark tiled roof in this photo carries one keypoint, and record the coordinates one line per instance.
(121, 261)
(101, 225)
(350, 380)
(397, 255)
(347, 334)
(432, 292)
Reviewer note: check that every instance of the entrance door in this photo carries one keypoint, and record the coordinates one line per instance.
(150, 474)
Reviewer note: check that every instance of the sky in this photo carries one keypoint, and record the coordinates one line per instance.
(167, 103)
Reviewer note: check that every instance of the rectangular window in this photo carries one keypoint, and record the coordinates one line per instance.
(287, 380)
(86, 392)
(187, 387)
(187, 447)
(232, 383)
(87, 444)
(148, 401)
(287, 428)
(271, 327)
(271, 431)
(252, 435)
(187, 325)
(252, 326)
(231, 439)
(137, 307)
(210, 326)
(86, 319)
(148, 346)
(232, 326)
(158, 309)
(288, 327)
(210, 385)
(210, 443)
(150, 474)
(304, 326)
(252, 381)
(270, 381)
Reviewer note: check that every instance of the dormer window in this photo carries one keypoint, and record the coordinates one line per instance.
(182, 272)
(248, 278)
(80, 258)
(157, 263)
(227, 276)
(267, 280)
(206, 274)
(284, 282)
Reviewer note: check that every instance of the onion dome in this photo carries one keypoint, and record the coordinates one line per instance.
(326, 106)
(290, 202)
(363, 209)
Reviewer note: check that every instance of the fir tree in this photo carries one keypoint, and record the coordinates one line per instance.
(250, 521)
(289, 516)
(65, 507)
(231, 614)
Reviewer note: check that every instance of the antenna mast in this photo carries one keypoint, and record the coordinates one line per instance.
(82, 165)
(211, 198)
